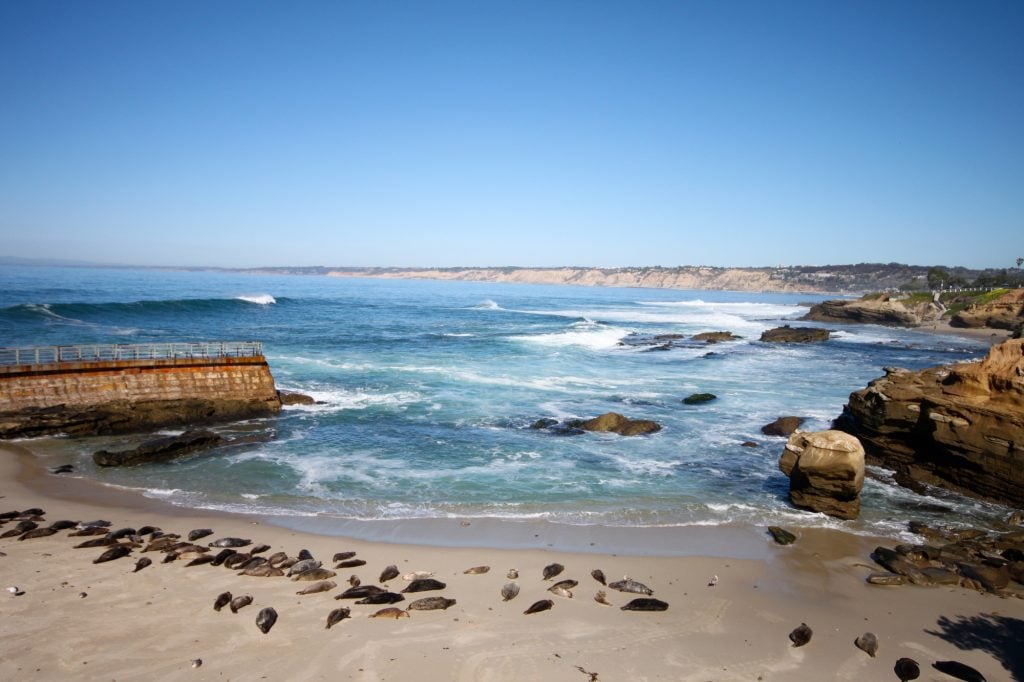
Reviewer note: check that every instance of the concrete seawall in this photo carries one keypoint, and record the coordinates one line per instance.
(113, 396)
(79, 384)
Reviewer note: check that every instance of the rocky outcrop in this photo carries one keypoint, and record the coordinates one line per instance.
(124, 416)
(881, 310)
(826, 472)
(783, 426)
(294, 398)
(715, 337)
(787, 334)
(616, 423)
(959, 426)
(1006, 312)
(159, 449)
(699, 398)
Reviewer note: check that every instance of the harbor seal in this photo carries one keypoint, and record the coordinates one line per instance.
(360, 591)
(645, 604)
(222, 600)
(266, 619)
(477, 570)
(303, 565)
(431, 604)
(382, 598)
(342, 556)
(907, 669)
(551, 570)
(509, 591)
(322, 586)
(263, 570)
(350, 563)
(142, 563)
(417, 575)
(37, 533)
(259, 549)
(560, 591)
(801, 635)
(867, 643)
(538, 606)
(424, 585)
(598, 575)
(601, 598)
(389, 573)
(390, 612)
(627, 584)
(199, 533)
(115, 552)
(240, 602)
(337, 615)
(231, 542)
(314, 574)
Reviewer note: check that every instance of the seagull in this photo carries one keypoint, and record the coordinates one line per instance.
(713, 581)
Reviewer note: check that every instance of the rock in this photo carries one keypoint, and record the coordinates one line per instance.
(783, 426)
(957, 426)
(616, 423)
(879, 310)
(787, 334)
(698, 398)
(545, 423)
(886, 579)
(781, 535)
(1006, 312)
(160, 449)
(715, 337)
(124, 416)
(294, 398)
(826, 472)
(748, 444)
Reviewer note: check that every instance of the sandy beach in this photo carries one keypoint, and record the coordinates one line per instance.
(80, 620)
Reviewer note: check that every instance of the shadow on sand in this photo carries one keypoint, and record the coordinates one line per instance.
(998, 636)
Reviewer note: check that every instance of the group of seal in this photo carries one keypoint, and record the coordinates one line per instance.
(122, 542)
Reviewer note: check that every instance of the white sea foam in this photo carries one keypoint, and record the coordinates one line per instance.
(331, 400)
(260, 299)
(587, 334)
(486, 304)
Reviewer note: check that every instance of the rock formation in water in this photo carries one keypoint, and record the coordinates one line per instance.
(878, 310)
(783, 426)
(616, 423)
(787, 334)
(160, 449)
(826, 472)
(959, 426)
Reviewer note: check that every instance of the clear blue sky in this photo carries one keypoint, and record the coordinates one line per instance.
(512, 133)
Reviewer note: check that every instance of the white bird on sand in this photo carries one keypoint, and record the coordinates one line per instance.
(713, 581)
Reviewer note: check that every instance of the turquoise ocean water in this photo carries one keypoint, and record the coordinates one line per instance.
(427, 391)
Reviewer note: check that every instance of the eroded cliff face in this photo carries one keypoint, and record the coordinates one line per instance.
(959, 426)
(881, 311)
(731, 279)
(1006, 312)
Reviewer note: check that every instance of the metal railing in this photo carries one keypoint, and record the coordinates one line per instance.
(39, 355)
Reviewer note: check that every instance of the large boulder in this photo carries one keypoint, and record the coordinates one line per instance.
(787, 334)
(876, 310)
(826, 472)
(715, 337)
(959, 426)
(616, 423)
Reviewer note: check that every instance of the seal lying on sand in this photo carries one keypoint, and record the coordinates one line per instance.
(391, 612)
(801, 635)
(266, 619)
(627, 584)
(431, 603)
(538, 606)
(424, 584)
(645, 604)
(337, 615)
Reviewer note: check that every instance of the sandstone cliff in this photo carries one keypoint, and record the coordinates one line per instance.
(884, 311)
(1006, 312)
(960, 426)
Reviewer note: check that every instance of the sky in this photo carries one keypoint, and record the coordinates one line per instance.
(443, 134)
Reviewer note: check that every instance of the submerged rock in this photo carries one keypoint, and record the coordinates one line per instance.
(826, 472)
(699, 398)
(160, 449)
(715, 337)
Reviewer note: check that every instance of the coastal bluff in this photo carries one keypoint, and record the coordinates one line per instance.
(104, 389)
(959, 426)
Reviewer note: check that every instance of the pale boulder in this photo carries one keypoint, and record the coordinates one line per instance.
(826, 472)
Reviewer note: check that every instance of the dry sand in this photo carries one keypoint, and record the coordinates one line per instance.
(152, 624)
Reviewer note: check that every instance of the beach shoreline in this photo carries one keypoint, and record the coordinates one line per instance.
(155, 622)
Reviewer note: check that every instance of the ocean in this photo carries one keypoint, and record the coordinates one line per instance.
(427, 391)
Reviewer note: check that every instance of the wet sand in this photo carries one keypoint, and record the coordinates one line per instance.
(152, 624)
